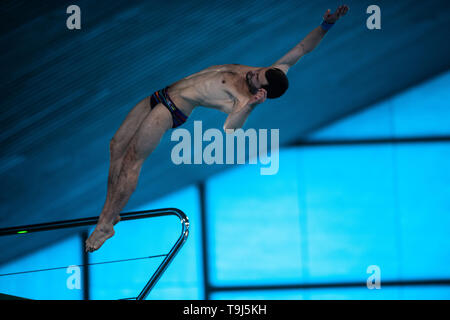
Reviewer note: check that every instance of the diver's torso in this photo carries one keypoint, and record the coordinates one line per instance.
(217, 87)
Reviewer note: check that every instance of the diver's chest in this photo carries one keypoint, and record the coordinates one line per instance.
(221, 85)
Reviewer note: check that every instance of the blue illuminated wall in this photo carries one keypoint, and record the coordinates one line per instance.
(183, 278)
(124, 264)
(370, 189)
(51, 284)
(422, 111)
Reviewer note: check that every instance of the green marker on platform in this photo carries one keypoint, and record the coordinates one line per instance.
(23, 231)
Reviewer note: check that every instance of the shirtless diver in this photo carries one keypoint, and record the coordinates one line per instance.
(230, 88)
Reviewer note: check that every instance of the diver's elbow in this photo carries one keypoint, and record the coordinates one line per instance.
(228, 129)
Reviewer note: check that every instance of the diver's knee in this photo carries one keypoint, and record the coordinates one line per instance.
(116, 149)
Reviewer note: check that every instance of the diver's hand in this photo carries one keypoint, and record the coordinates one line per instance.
(333, 17)
(257, 98)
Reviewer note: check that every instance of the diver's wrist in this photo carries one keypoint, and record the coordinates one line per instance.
(326, 25)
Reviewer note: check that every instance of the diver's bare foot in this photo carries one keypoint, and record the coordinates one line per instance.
(116, 220)
(101, 233)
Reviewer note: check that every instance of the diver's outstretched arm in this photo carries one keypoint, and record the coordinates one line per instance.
(311, 40)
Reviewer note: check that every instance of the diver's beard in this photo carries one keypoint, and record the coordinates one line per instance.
(251, 87)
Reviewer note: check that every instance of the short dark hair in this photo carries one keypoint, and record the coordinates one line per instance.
(278, 83)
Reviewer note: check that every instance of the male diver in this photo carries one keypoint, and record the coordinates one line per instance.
(230, 88)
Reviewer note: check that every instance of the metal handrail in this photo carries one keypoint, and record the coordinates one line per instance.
(124, 217)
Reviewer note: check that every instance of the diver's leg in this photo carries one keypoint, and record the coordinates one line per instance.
(119, 143)
(141, 145)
